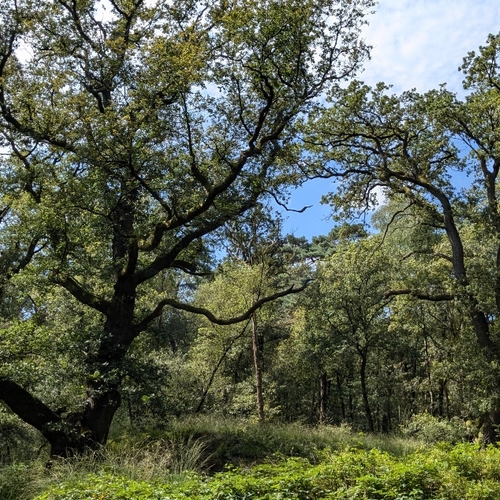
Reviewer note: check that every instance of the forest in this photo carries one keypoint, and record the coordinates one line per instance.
(151, 300)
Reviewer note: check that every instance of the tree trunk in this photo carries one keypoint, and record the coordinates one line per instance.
(323, 398)
(386, 420)
(341, 397)
(99, 414)
(65, 436)
(257, 360)
(489, 428)
(364, 393)
(68, 434)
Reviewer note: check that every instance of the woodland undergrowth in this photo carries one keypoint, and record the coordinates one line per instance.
(209, 459)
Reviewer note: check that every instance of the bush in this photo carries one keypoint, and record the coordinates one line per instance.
(102, 487)
(430, 429)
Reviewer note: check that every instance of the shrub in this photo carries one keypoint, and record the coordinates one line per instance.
(102, 487)
(431, 429)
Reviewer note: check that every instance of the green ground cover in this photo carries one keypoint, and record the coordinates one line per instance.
(441, 472)
(269, 461)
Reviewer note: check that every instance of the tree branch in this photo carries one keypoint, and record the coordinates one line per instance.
(209, 315)
(427, 252)
(82, 295)
(188, 268)
(31, 410)
(284, 206)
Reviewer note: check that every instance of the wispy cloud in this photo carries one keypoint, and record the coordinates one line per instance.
(421, 43)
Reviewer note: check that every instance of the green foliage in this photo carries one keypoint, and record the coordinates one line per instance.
(407, 146)
(433, 430)
(103, 486)
(148, 128)
(294, 462)
(18, 441)
(445, 473)
(14, 480)
(139, 145)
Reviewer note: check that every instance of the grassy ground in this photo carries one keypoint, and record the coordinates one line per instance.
(268, 461)
(240, 442)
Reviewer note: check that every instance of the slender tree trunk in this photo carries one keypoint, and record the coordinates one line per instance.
(351, 407)
(323, 398)
(386, 417)
(364, 392)
(217, 366)
(257, 360)
(341, 397)
(442, 396)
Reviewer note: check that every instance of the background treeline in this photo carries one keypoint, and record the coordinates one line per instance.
(356, 347)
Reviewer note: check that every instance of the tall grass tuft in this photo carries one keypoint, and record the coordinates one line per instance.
(140, 459)
(144, 460)
(22, 481)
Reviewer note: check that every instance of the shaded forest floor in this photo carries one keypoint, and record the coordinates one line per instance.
(209, 459)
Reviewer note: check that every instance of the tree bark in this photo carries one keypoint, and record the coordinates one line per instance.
(323, 398)
(257, 360)
(364, 393)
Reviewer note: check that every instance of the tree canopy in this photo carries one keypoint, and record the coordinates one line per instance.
(409, 146)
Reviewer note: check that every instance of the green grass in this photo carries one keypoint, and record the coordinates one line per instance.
(189, 458)
(240, 442)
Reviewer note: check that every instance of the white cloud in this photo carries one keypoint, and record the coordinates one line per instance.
(421, 43)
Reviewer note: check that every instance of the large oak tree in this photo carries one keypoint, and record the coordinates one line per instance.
(130, 132)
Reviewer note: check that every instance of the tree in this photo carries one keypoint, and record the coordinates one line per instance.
(135, 131)
(351, 316)
(256, 265)
(409, 146)
(435, 359)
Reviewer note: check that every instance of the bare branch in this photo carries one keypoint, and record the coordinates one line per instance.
(282, 205)
(188, 268)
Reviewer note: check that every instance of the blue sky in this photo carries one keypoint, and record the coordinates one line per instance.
(416, 44)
